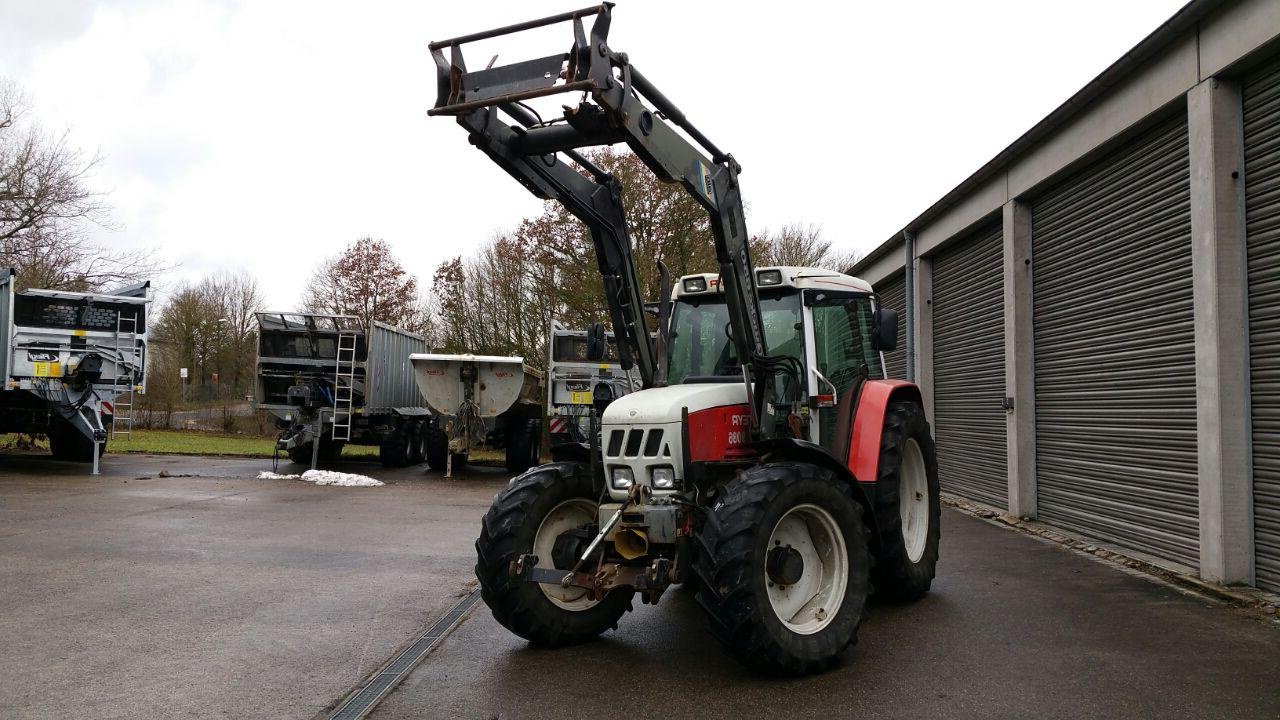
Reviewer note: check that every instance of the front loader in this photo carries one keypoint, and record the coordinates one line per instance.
(766, 461)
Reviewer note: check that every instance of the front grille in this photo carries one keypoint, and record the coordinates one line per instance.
(633, 442)
(615, 443)
(653, 443)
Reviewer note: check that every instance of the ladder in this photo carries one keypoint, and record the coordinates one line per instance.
(344, 381)
(122, 385)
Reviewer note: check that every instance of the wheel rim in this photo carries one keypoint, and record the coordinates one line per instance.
(913, 501)
(812, 602)
(566, 516)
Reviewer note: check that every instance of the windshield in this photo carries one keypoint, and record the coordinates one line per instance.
(700, 344)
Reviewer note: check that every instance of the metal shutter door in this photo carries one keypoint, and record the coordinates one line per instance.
(1114, 349)
(1262, 227)
(892, 294)
(968, 368)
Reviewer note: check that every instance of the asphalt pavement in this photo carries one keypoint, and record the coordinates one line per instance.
(129, 595)
(1014, 628)
(212, 594)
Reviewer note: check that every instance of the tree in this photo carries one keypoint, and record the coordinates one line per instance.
(208, 327)
(48, 208)
(800, 245)
(367, 281)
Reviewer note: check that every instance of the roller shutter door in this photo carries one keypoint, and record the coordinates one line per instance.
(1114, 349)
(1262, 227)
(968, 368)
(892, 295)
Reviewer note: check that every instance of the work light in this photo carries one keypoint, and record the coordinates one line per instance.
(622, 478)
(664, 478)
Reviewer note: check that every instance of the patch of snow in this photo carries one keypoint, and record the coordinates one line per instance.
(326, 477)
(330, 477)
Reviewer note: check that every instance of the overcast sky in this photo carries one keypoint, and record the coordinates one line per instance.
(266, 134)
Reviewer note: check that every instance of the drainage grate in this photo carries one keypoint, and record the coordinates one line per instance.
(362, 703)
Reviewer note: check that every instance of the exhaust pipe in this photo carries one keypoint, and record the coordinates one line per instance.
(631, 543)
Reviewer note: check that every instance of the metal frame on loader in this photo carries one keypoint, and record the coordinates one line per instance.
(715, 481)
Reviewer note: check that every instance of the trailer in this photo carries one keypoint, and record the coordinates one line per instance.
(572, 377)
(330, 381)
(72, 364)
(480, 401)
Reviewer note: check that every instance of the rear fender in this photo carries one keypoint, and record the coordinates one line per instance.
(804, 451)
(868, 424)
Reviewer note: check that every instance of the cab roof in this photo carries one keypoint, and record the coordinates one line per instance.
(767, 278)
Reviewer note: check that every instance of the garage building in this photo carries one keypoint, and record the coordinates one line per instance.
(1095, 312)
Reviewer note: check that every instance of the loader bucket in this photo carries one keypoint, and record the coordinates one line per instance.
(494, 383)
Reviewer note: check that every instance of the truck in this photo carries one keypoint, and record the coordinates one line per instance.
(480, 401)
(766, 460)
(331, 380)
(571, 376)
(72, 364)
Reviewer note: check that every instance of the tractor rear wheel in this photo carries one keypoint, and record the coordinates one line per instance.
(784, 568)
(907, 505)
(527, 518)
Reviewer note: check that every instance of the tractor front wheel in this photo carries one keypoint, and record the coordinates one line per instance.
(527, 518)
(784, 568)
(907, 505)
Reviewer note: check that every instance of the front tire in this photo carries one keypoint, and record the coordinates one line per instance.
(793, 619)
(907, 505)
(525, 518)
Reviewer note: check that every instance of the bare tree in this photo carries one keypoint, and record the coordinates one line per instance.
(367, 281)
(800, 245)
(48, 208)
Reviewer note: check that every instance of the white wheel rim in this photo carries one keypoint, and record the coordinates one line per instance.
(566, 516)
(913, 501)
(812, 602)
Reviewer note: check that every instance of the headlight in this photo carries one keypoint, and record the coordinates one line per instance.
(621, 478)
(664, 478)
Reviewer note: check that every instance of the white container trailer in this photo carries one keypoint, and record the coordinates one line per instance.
(72, 363)
(481, 401)
(328, 378)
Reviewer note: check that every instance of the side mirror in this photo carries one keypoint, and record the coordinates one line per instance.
(886, 337)
(597, 348)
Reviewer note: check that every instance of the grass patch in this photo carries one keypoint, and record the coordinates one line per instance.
(179, 442)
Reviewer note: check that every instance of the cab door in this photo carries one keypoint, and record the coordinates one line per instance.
(839, 328)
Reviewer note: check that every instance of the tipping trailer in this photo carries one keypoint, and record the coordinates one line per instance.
(480, 401)
(72, 363)
(331, 381)
(765, 456)
(572, 374)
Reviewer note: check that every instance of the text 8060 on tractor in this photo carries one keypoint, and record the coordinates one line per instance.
(766, 460)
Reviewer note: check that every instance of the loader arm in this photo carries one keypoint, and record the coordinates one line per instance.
(618, 105)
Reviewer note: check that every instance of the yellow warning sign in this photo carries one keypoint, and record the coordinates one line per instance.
(49, 369)
(580, 398)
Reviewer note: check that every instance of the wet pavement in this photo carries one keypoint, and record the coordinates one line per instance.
(132, 595)
(1015, 628)
(218, 595)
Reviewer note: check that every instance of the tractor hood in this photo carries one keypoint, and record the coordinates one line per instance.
(664, 405)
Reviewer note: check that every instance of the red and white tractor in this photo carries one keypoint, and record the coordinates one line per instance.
(767, 462)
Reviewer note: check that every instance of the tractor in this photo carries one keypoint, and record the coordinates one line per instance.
(766, 463)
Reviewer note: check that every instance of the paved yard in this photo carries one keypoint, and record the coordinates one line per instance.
(1015, 628)
(216, 595)
(131, 595)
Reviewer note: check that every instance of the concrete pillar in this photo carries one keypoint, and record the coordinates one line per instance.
(924, 331)
(1019, 361)
(1222, 341)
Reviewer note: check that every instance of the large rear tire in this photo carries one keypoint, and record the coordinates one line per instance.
(66, 442)
(397, 449)
(526, 517)
(784, 568)
(907, 505)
